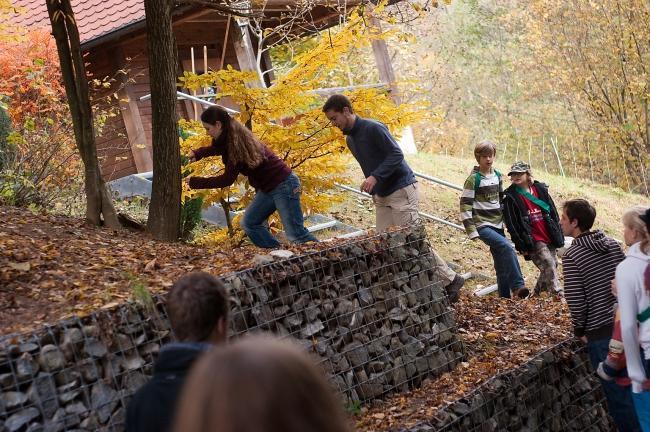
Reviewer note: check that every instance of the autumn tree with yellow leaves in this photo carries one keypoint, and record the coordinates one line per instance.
(596, 57)
(287, 117)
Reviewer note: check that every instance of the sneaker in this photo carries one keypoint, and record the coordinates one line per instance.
(453, 289)
(521, 293)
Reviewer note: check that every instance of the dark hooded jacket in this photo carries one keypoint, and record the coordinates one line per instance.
(515, 215)
(152, 407)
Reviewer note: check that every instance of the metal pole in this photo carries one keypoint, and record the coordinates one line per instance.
(182, 95)
(437, 180)
(424, 215)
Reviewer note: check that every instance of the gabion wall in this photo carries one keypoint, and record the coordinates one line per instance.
(374, 310)
(555, 391)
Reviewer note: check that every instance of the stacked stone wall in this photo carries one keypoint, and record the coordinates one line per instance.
(372, 311)
(555, 391)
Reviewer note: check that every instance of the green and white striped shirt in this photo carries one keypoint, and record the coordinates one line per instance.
(481, 206)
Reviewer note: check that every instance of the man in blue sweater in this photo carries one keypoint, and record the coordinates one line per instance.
(389, 179)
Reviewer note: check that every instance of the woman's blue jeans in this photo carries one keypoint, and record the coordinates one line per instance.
(505, 260)
(285, 198)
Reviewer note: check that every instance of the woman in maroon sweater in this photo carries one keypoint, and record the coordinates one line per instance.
(276, 186)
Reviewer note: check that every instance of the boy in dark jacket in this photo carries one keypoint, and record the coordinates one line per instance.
(534, 225)
(198, 308)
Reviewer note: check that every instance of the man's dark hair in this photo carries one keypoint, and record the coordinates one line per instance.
(337, 102)
(582, 211)
(195, 304)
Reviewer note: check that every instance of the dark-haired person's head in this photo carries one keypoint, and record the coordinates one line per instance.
(198, 307)
(578, 216)
(338, 110)
(259, 384)
(242, 146)
(215, 120)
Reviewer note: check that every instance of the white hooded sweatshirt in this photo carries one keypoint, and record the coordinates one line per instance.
(633, 299)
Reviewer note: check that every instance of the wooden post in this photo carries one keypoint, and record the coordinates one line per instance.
(244, 51)
(225, 44)
(645, 182)
(627, 178)
(573, 156)
(557, 155)
(194, 104)
(609, 172)
(382, 58)
(517, 151)
(128, 103)
(591, 164)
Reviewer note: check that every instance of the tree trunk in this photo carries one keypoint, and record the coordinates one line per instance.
(165, 206)
(99, 205)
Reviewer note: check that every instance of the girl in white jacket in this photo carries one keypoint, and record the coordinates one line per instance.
(634, 304)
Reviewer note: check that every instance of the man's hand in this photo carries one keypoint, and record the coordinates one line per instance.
(192, 156)
(368, 184)
(583, 339)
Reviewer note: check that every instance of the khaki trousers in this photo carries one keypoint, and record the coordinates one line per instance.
(397, 209)
(400, 209)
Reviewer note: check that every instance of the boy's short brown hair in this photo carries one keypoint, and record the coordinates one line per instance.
(580, 210)
(195, 304)
(485, 148)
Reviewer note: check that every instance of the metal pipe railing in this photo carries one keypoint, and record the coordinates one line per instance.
(437, 180)
(182, 95)
(424, 215)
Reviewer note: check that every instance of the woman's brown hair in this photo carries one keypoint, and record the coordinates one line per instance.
(258, 384)
(243, 147)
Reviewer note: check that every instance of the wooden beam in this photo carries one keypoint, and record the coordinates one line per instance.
(128, 103)
(244, 49)
(382, 58)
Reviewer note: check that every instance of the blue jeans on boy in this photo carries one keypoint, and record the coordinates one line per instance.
(619, 398)
(285, 198)
(505, 260)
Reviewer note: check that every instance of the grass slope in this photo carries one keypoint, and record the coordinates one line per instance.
(442, 201)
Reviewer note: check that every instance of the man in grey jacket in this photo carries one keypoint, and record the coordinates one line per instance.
(389, 179)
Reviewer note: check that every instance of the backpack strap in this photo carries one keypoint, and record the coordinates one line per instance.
(477, 179)
(532, 198)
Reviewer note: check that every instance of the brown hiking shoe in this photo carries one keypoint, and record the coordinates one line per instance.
(453, 289)
(521, 293)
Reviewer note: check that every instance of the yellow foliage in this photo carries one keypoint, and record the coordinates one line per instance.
(287, 117)
(9, 32)
(596, 56)
(221, 237)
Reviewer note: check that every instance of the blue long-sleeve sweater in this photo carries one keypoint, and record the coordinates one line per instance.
(379, 155)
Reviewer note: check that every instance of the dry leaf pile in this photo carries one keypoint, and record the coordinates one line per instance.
(52, 266)
(499, 335)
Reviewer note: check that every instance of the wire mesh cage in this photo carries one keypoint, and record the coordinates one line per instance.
(372, 311)
(557, 390)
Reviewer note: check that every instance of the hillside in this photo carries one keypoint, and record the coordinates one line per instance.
(442, 201)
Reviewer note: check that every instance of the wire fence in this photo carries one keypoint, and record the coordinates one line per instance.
(372, 311)
(557, 390)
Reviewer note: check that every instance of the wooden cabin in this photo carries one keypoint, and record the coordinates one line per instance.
(113, 37)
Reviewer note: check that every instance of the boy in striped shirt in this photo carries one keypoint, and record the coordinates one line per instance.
(482, 216)
(589, 266)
